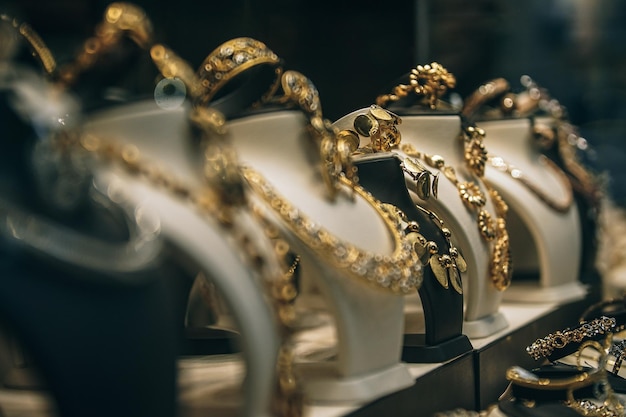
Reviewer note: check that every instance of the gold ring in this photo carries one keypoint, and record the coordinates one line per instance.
(231, 59)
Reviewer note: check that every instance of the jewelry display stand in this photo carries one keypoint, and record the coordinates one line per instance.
(364, 367)
(546, 242)
(439, 135)
(162, 137)
(478, 379)
(442, 308)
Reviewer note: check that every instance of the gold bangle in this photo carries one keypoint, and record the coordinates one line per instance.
(231, 59)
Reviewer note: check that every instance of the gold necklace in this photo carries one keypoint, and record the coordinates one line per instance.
(207, 202)
(499, 88)
(380, 125)
(491, 230)
(430, 83)
(517, 174)
(399, 272)
(563, 135)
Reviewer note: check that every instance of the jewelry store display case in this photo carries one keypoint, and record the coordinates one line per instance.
(327, 239)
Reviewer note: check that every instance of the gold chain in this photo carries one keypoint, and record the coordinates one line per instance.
(38, 46)
(380, 125)
(430, 83)
(492, 230)
(399, 272)
(517, 174)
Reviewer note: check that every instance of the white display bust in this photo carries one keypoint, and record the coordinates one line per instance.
(368, 321)
(161, 137)
(544, 241)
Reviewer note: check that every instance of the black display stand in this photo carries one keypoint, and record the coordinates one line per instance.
(382, 175)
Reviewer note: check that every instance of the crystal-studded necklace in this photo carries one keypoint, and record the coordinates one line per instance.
(398, 272)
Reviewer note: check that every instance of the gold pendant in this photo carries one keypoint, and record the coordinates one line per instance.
(440, 270)
(460, 263)
(455, 279)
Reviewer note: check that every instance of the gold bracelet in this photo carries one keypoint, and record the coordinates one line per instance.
(545, 346)
(38, 46)
(604, 403)
(233, 58)
(120, 19)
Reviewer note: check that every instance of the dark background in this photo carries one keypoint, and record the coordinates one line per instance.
(355, 50)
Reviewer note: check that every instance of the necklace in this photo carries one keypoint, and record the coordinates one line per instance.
(399, 272)
(430, 83)
(380, 125)
(499, 88)
(517, 174)
(207, 202)
(491, 230)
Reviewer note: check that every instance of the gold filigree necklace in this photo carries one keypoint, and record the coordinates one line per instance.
(429, 83)
(510, 103)
(380, 125)
(399, 272)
